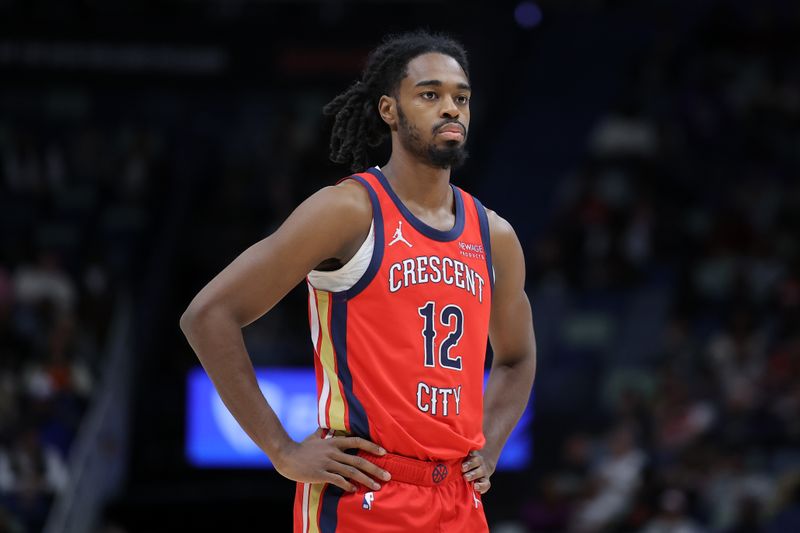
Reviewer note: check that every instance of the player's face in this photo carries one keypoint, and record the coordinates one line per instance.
(433, 110)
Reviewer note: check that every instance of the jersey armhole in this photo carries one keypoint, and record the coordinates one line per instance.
(347, 275)
(376, 231)
(483, 221)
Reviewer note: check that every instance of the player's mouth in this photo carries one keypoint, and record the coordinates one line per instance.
(451, 132)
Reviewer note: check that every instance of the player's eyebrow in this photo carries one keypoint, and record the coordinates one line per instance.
(438, 83)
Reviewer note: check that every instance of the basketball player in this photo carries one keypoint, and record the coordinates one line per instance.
(407, 276)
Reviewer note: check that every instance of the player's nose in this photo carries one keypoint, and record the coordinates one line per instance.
(449, 108)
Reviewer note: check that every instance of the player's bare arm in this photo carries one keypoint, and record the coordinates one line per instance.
(329, 225)
(514, 347)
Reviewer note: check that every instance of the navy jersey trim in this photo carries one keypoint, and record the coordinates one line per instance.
(432, 233)
(359, 425)
(483, 220)
(377, 249)
(328, 516)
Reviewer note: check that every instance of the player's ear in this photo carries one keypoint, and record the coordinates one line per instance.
(387, 107)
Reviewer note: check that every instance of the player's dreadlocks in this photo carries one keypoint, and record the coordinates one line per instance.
(357, 124)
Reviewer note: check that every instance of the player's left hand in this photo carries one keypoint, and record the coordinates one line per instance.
(478, 470)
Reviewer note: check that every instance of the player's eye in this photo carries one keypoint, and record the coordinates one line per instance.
(462, 99)
(428, 95)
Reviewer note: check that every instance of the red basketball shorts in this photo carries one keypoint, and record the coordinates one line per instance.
(421, 497)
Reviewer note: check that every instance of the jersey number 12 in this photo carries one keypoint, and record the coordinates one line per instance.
(451, 317)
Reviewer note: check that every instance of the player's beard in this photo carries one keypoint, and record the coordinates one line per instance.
(452, 155)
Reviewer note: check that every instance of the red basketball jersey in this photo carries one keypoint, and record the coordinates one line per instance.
(399, 357)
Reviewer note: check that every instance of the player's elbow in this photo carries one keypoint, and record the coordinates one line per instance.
(526, 361)
(529, 358)
(187, 321)
(207, 315)
(193, 316)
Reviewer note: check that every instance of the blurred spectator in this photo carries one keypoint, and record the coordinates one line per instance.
(787, 517)
(673, 517)
(734, 494)
(614, 480)
(31, 473)
(625, 132)
(45, 282)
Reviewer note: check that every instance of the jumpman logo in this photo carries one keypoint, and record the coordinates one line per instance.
(398, 235)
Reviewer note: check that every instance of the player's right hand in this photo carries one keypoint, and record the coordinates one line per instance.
(318, 460)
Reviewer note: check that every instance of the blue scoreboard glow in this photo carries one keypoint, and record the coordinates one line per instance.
(215, 440)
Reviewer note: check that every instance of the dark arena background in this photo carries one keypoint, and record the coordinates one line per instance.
(646, 152)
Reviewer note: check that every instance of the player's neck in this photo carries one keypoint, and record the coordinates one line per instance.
(416, 182)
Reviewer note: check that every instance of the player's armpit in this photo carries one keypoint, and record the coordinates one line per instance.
(331, 223)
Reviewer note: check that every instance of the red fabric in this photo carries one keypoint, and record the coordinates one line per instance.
(419, 404)
(403, 507)
(386, 347)
(414, 471)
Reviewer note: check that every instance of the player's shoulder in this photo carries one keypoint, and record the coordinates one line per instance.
(353, 190)
(337, 215)
(508, 257)
(347, 199)
(499, 227)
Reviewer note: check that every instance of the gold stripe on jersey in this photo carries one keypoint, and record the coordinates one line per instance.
(328, 358)
(314, 502)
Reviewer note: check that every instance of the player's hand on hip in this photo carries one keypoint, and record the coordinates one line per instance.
(477, 470)
(318, 460)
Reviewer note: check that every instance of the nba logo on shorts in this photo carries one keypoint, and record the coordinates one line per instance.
(367, 503)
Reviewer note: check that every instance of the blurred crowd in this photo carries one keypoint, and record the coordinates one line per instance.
(71, 205)
(672, 269)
